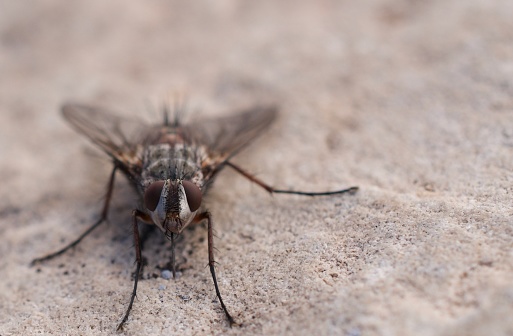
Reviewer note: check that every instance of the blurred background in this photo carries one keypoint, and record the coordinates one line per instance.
(410, 100)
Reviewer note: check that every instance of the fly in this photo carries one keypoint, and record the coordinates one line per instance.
(171, 166)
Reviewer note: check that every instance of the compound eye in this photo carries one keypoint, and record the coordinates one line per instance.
(193, 194)
(152, 195)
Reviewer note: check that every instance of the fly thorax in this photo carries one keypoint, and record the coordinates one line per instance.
(176, 161)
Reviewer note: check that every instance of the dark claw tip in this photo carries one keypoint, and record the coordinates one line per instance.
(353, 190)
(233, 323)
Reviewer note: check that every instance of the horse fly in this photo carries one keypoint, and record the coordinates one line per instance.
(171, 166)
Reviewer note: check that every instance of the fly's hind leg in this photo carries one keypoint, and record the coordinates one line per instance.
(102, 218)
(272, 190)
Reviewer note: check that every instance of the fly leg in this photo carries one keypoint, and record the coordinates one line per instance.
(272, 190)
(144, 235)
(137, 214)
(102, 218)
(206, 215)
(173, 255)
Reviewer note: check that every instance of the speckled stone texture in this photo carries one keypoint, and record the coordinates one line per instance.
(410, 100)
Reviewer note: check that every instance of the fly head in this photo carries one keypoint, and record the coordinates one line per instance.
(172, 204)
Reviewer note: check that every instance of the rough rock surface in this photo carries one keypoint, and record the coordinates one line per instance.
(410, 100)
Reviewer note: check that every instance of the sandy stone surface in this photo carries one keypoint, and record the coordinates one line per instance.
(410, 100)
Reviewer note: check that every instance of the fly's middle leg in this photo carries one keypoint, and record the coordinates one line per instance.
(272, 190)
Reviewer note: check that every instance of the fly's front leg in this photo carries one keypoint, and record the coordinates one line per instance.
(136, 214)
(102, 218)
(173, 255)
(272, 190)
(206, 215)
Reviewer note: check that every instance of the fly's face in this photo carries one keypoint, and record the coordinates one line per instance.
(172, 204)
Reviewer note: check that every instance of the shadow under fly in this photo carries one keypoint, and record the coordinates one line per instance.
(171, 166)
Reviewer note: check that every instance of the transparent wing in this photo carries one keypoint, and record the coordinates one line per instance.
(121, 137)
(116, 136)
(226, 136)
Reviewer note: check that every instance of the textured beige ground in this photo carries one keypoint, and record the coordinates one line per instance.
(410, 100)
